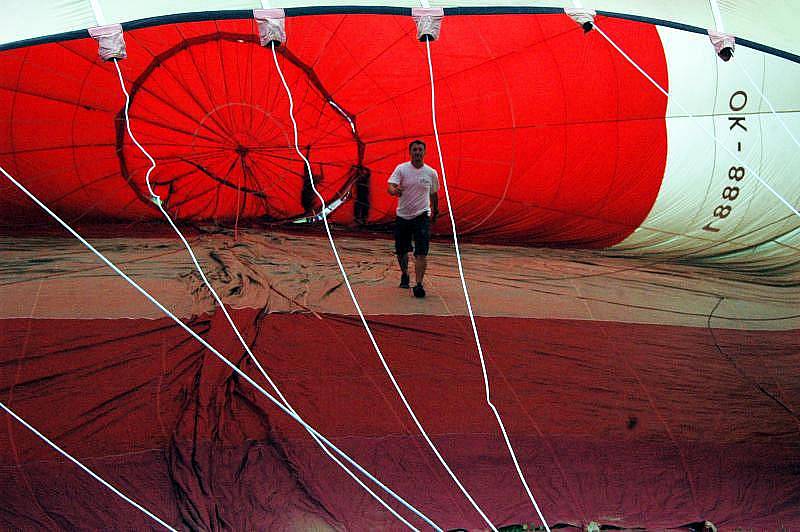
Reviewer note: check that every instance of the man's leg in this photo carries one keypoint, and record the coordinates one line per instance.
(402, 260)
(422, 236)
(402, 245)
(420, 264)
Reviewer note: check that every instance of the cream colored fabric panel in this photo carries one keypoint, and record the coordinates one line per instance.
(509, 3)
(691, 65)
(691, 12)
(709, 205)
(758, 221)
(23, 19)
(779, 166)
(769, 22)
(772, 22)
(362, 3)
(117, 11)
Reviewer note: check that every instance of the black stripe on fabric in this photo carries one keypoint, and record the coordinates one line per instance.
(66, 36)
(695, 29)
(512, 10)
(243, 14)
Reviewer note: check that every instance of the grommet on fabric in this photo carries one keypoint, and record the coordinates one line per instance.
(111, 41)
(584, 17)
(429, 22)
(271, 26)
(724, 44)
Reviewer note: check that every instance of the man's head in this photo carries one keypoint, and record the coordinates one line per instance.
(417, 151)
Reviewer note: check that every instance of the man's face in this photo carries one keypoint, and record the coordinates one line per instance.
(417, 153)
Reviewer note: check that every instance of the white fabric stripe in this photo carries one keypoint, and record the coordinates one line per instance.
(706, 131)
(744, 18)
(695, 176)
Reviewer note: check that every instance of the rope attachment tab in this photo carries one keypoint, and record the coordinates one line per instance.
(271, 26)
(724, 44)
(111, 41)
(584, 17)
(429, 22)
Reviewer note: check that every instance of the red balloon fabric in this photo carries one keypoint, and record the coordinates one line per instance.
(548, 136)
(629, 409)
(622, 424)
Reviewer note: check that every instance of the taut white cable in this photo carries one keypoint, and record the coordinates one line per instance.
(199, 269)
(92, 473)
(717, 16)
(700, 125)
(211, 348)
(469, 304)
(771, 108)
(99, 17)
(358, 307)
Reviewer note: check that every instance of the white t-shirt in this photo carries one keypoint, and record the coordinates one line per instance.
(418, 185)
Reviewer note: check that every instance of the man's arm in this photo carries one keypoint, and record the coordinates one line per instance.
(434, 206)
(395, 189)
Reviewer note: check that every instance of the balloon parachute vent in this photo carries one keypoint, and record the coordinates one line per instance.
(110, 40)
(584, 17)
(723, 43)
(429, 22)
(271, 26)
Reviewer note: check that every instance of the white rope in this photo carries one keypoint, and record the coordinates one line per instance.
(766, 100)
(207, 283)
(700, 125)
(92, 473)
(99, 17)
(358, 307)
(717, 16)
(211, 348)
(467, 299)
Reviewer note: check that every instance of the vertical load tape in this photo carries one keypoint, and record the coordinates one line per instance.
(584, 17)
(724, 43)
(110, 40)
(429, 22)
(271, 26)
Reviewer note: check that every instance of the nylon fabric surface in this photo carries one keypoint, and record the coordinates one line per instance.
(649, 438)
(548, 155)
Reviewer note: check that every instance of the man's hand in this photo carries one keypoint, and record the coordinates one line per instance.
(434, 207)
(395, 190)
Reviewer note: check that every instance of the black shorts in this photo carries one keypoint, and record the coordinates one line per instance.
(419, 228)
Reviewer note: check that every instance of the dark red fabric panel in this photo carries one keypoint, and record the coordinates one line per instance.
(549, 136)
(628, 425)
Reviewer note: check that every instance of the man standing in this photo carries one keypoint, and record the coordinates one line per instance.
(416, 186)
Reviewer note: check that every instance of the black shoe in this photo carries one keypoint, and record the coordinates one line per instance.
(419, 291)
(404, 281)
